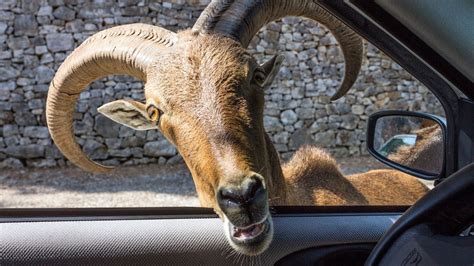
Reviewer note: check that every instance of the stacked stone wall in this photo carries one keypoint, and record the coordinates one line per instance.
(36, 36)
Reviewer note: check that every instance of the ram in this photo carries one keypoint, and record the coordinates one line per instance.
(425, 153)
(205, 93)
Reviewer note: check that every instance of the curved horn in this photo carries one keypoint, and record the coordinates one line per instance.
(128, 49)
(242, 19)
(210, 16)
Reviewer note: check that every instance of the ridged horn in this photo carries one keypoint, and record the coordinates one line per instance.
(242, 19)
(128, 49)
(211, 15)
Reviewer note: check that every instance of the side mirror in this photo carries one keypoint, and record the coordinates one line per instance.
(408, 141)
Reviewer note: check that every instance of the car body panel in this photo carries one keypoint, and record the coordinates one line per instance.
(395, 142)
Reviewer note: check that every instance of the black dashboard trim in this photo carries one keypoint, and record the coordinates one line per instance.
(75, 214)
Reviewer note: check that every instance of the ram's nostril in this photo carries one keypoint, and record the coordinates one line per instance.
(253, 188)
(229, 195)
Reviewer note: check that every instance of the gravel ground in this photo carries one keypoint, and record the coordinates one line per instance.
(137, 186)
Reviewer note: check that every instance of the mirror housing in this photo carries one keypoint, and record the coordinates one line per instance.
(411, 142)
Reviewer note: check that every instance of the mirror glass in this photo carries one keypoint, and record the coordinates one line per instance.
(410, 141)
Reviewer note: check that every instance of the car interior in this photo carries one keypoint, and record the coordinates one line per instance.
(433, 41)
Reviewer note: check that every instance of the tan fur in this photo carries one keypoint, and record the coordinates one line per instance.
(314, 178)
(212, 111)
(426, 154)
(217, 126)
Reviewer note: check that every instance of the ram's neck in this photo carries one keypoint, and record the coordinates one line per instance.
(276, 186)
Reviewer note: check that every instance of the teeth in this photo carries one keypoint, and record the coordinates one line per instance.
(248, 232)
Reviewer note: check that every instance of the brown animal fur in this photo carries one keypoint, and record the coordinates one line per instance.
(217, 127)
(426, 154)
(313, 168)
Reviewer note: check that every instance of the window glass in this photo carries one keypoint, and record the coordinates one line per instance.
(36, 37)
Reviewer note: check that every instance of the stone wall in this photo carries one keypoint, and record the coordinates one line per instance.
(36, 37)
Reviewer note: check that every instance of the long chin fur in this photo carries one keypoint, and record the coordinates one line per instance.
(250, 251)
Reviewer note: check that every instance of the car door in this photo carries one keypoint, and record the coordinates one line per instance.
(184, 236)
(327, 235)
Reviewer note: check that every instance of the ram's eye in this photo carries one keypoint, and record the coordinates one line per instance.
(153, 113)
(259, 77)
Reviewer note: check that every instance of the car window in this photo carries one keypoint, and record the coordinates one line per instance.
(36, 38)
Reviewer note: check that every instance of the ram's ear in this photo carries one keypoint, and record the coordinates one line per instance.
(272, 67)
(128, 113)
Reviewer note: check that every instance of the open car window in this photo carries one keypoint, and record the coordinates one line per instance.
(36, 38)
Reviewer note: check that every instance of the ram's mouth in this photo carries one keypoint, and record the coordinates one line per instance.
(251, 240)
(249, 235)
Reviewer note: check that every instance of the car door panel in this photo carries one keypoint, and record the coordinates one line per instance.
(182, 239)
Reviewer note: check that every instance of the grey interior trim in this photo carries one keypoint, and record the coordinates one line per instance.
(174, 241)
(458, 92)
(447, 26)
